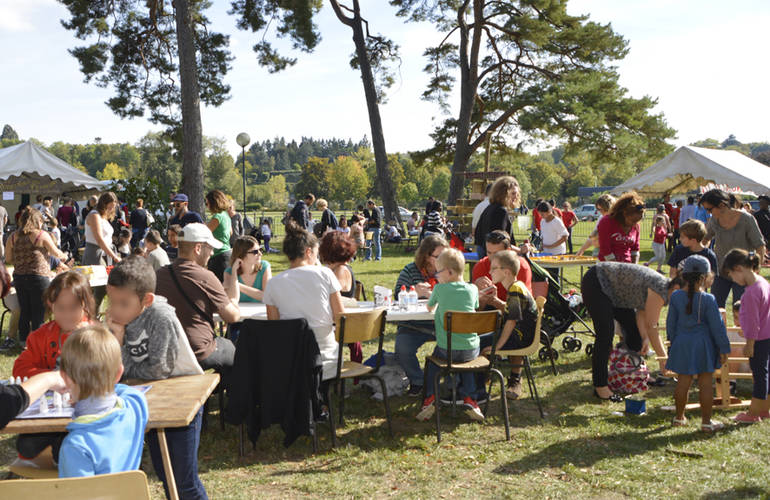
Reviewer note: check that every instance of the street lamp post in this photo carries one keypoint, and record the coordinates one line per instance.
(243, 140)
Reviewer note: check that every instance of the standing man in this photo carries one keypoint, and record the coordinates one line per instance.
(196, 294)
(183, 216)
(763, 218)
(373, 224)
(138, 222)
(301, 211)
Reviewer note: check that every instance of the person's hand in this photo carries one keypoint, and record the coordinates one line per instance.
(580, 252)
(484, 300)
(116, 328)
(486, 351)
(55, 381)
(525, 249)
(645, 347)
(723, 358)
(116, 259)
(748, 350)
(237, 266)
(423, 290)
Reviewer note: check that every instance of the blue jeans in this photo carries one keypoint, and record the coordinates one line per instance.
(407, 343)
(183, 449)
(467, 379)
(375, 243)
(721, 288)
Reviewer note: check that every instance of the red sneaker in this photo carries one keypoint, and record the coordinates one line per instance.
(428, 409)
(472, 409)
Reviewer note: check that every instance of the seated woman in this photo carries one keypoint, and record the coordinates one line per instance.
(336, 251)
(307, 290)
(247, 265)
(410, 335)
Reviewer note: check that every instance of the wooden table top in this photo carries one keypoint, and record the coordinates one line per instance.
(172, 402)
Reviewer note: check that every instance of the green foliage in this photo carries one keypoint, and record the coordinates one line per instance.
(409, 195)
(439, 188)
(314, 178)
(272, 194)
(158, 160)
(220, 170)
(348, 180)
(9, 134)
(112, 171)
(154, 193)
(291, 19)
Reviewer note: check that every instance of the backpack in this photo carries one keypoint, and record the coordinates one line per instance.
(628, 372)
(333, 220)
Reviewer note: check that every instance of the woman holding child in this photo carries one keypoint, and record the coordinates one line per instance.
(410, 335)
(729, 228)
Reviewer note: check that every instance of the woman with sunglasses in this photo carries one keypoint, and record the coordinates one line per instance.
(410, 335)
(618, 232)
(247, 266)
(730, 228)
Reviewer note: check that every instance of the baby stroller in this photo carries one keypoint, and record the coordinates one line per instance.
(558, 316)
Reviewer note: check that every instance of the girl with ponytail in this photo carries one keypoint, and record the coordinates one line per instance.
(743, 267)
(699, 343)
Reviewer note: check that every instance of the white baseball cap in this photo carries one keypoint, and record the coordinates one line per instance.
(199, 233)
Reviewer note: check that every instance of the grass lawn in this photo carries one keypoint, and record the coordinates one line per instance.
(582, 449)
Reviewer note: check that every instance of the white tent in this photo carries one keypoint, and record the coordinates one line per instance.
(28, 168)
(688, 168)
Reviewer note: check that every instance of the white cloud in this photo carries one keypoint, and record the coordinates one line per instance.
(18, 16)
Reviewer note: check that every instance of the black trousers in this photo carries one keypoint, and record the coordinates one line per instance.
(29, 289)
(602, 312)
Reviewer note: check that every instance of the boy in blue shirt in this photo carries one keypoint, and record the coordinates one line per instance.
(452, 294)
(691, 233)
(107, 431)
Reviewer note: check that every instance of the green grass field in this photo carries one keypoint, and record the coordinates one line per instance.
(582, 449)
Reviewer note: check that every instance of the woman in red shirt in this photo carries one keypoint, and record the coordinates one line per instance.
(570, 219)
(619, 230)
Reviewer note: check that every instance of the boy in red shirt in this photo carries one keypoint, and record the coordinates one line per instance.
(570, 219)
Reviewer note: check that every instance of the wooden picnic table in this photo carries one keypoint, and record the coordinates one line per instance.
(172, 403)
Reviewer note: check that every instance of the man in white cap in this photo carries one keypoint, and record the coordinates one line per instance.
(196, 294)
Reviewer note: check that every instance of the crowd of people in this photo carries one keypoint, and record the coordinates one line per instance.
(164, 294)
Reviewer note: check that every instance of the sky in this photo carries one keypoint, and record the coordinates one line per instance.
(704, 60)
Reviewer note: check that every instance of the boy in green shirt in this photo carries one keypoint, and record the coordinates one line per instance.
(452, 294)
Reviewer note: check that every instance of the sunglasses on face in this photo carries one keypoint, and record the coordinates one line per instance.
(258, 251)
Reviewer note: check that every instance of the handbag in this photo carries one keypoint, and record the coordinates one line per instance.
(628, 373)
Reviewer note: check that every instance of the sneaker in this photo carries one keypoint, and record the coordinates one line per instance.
(8, 344)
(764, 415)
(712, 426)
(745, 418)
(428, 409)
(513, 389)
(472, 409)
(414, 390)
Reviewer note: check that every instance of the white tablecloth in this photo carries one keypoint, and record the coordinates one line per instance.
(255, 310)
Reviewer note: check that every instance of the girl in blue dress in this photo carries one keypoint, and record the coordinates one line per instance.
(699, 343)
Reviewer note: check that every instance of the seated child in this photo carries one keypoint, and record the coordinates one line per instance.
(107, 430)
(154, 254)
(520, 316)
(452, 294)
(69, 299)
(691, 233)
(154, 346)
(172, 249)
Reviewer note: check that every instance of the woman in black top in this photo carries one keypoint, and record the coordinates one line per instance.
(503, 197)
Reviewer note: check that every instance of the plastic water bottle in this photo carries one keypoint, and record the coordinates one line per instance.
(403, 299)
(412, 298)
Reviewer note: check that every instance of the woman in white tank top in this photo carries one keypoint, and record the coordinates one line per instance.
(99, 249)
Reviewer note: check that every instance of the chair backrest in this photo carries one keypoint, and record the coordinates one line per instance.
(539, 289)
(360, 326)
(131, 485)
(368, 235)
(533, 347)
(360, 291)
(470, 322)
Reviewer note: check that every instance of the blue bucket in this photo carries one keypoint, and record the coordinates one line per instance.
(636, 406)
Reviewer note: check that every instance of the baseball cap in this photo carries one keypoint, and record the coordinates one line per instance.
(199, 233)
(181, 197)
(692, 264)
(764, 197)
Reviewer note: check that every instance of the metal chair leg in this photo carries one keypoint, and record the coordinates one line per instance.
(387, 405)
(437, 403)
(341, 391)
(528, 370)
(332, 428)
(504, 402)
(241, 445)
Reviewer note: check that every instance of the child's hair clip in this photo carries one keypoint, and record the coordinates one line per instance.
(752, 254)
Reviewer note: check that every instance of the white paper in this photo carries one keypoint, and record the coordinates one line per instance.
(7, 195)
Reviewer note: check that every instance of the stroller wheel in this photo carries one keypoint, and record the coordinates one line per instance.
(577, 345)
(589, 349)
(555, 354)
(542, 354)
(568, 343)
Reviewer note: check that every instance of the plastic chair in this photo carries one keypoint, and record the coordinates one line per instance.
(467, 322)
(360, 291)
(360, 327)
(131, 485)
(526, 352)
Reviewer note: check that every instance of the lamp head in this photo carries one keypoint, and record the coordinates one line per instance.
(243, 139)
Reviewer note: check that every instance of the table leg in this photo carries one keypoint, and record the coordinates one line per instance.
(170, 482)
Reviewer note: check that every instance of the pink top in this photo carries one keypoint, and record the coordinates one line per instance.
(660, 234)
(755, 310)
(614, 243)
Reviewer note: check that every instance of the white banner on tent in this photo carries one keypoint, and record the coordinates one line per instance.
(7, 195)
(725, 188)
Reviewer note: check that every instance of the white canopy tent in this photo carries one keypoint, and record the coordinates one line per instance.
(689, 168)
(28, 168)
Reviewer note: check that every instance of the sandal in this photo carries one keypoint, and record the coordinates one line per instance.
(712, 426)
(615, 398)
(657, 381)
(678, 422)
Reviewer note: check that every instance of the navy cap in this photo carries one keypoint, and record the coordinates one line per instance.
(180, 197)
(696, 264)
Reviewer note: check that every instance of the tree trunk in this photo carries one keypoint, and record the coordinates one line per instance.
(384, 182)
(192, 147)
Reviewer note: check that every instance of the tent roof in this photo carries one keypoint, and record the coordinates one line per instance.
(28, 168)
(690, 167)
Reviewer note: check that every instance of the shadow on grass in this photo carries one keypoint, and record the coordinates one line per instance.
(586, 451)
(738, 493)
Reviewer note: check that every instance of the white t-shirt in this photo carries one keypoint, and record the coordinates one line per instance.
(266, 230)
(304, 292)
(477, 213)
(551, 232)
